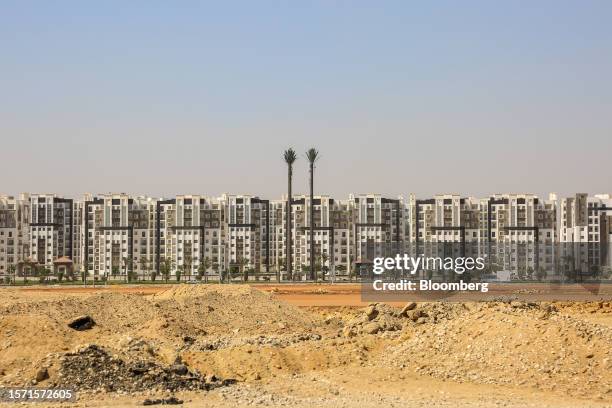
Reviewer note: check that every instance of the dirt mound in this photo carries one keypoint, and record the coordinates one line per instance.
(518, 343)
(238, 310)
(181, 318)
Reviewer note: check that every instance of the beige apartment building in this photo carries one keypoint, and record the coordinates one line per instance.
(585, 232)
(14, 232)
(189, 231)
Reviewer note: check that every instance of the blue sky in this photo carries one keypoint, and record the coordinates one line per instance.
(152, 97)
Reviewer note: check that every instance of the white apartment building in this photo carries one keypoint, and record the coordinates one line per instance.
(377, 227)
(191, 232)
(332, 221)
(248, 234)
(584, 230)
(14, 232)
(51, 229)
(117, 234)
(447, 225)
(522, 230)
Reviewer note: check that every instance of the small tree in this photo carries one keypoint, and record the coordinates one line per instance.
(143, 266)
(279, 268)
(43, 273)
(128, 265)
(207, 264)
(215, 268)
(540, 273)
(341, 268)
(166, 268)
(324, 267)
(179, 272)
(11, 272)
(203, 269)
(241, 268)
(114, 271)
(153, 269)
(188, 266)
(305, 269)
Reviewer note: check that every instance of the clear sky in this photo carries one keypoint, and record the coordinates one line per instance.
(165, 98)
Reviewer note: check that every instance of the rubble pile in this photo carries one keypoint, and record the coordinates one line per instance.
(379, 317)
(94, 368)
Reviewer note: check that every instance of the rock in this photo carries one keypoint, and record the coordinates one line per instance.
(82, 323)
(348, 331)
(371, 312)
(414, 315)
(42, 375)
(163, 401)
(590, 355)
(180, 369)
(407, 308)
(371, 328)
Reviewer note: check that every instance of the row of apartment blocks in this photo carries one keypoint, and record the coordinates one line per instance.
(98, 233)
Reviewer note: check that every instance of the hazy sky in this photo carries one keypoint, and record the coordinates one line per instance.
(165, 98)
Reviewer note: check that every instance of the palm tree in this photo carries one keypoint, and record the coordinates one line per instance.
(290, 158)
(312, 154)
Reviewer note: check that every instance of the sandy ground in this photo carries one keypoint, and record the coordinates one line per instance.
(350, 294)
(313, 345)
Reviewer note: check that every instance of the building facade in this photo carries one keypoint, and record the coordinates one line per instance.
(113, 235)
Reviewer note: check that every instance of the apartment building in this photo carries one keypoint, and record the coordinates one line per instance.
(522, 230)
(376, 227)
(248, 233)
(116, 232)
(14, 232)
(584, 231)
(332, 230)
(447, 225)
(191, 232)
(51, 229)
(278, 253)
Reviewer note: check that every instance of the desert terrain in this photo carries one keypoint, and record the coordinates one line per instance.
(303, 346)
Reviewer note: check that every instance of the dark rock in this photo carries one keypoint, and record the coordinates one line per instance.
(180, 369)
(82, 323)
(42, 375)
(163, 401)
